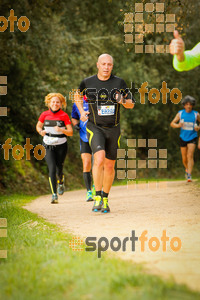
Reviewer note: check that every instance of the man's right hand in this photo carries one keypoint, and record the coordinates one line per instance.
(177, 46)
(84, 116)
(180, 124)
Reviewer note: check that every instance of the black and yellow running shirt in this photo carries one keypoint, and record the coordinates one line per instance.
(101, 96)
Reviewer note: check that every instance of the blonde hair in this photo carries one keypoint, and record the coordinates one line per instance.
(58, 95)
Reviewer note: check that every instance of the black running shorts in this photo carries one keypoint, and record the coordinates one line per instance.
(183, 143)
(85, 147)
(104, 138)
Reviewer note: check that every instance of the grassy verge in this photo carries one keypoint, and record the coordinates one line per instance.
(40, 265)
(145, 180)
(198, 182)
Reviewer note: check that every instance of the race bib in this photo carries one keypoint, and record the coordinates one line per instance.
(188, 126)
(49, 140)
(107, 110)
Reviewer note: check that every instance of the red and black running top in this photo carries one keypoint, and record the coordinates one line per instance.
(50, 120)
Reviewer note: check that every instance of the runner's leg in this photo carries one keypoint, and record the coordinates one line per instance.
(108, 174)
(60, 152)
(199, 144)
(100, 180)
(112, 144)
(190, 156)
(108, 177)
(97, 139)
(51, 163)
(184, 157)
(86, 159)
(99, 158)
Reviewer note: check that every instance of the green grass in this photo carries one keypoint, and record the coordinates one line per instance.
(40, 265)
(198, 182)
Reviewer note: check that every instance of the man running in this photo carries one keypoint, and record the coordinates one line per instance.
(187, 119)
(184, 60)
(105, 92)
(86, 152)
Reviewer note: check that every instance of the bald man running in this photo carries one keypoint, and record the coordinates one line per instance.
(105, 93)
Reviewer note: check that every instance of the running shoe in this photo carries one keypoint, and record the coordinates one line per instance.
(97, 204)
(186, 173)
(89, 196)
(54, 199)
(61, 187)
(105, 208)
(189, 178)
(93, 192)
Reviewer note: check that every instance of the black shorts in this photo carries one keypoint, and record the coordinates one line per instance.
(85, 147)
(183, 143)
(104, 138)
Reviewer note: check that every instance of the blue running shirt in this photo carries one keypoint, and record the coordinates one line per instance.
(76, 115)
(187, 131)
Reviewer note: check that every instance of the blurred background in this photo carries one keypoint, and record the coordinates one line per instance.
(61, 48)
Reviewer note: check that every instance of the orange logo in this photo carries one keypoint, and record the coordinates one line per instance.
(76, 244)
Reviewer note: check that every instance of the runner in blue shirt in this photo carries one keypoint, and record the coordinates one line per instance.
(86, 152)
(187, 119)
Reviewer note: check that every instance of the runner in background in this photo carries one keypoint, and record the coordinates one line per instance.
(86, 152)
(57, 126)
(186, 119)
(184, 60)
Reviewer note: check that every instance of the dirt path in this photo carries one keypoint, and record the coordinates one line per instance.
(173, 206)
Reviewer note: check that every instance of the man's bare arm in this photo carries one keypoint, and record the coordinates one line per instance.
(78, 98)
(174, 123)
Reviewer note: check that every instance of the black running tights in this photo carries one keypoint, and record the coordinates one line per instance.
(55, 157)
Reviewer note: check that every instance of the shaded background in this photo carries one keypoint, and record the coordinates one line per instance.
(60, 49)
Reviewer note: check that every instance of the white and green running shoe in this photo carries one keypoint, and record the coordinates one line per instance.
(105, 208)
(93, 192)
(89, 196)
(61, 187)
(54, 199)
(97, 204)
(189, 178)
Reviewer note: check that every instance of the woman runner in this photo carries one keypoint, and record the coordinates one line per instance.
(57, 126)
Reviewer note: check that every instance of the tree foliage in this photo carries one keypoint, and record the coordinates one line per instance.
(61, 48)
